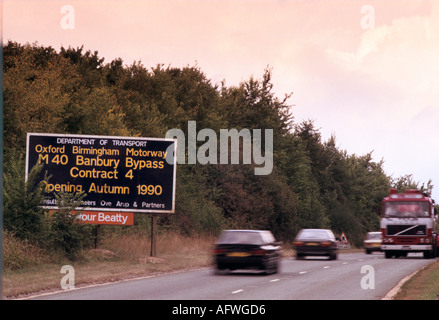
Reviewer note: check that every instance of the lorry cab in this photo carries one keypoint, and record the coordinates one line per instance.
(408, 224)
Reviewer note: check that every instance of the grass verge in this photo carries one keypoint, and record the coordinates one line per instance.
(424, 285)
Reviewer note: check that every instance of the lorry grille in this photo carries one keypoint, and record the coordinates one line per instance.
(406, 230)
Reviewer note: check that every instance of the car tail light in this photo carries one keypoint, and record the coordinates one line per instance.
(326, 243)
(219, 251)
(298, 243)
(258, 252)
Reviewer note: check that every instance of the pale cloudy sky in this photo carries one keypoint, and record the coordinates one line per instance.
(365, 71)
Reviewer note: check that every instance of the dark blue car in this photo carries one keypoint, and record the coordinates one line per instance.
(247, 249)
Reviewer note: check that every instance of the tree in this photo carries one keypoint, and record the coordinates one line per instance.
(35, 84)
(407, 181)
(89, 66)
(196, 210)
(253, 105)
(96, 113)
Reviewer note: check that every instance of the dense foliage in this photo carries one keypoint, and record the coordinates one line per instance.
(313, 182)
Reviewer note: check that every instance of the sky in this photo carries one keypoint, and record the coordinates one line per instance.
(363, 71)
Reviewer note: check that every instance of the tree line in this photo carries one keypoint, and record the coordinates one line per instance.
(313, 184)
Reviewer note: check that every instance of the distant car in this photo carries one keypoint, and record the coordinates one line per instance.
(372, 241)
(247, 249)
(315, 242)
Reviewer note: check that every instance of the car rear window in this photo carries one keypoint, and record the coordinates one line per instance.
(314, 234)
(241, 237)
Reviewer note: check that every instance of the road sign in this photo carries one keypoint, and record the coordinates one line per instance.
(343, 243)
(343, 238)
(124, 174)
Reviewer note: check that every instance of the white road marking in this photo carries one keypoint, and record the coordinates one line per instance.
(325, 267)
(237, 291)
(274, 280)
(303, 272)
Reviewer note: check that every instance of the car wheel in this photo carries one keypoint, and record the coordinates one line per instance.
(428, 254)
(267, 268)
(333, 256)
(271, 268)
(276, 267)
(219, 270)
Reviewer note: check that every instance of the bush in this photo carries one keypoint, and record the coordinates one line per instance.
(66, 233)
(27, 220)
(19, 254)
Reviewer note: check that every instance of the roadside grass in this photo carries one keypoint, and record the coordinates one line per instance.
(120, 257)
(424, 285)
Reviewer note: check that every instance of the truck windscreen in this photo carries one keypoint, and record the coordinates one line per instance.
(406, 209)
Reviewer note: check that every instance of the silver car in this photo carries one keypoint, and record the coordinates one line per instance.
(372, 241)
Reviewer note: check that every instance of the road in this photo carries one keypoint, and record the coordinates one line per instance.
(353, 276)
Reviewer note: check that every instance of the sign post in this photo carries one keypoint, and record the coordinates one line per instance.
(98, 236)
(120, 176)
(1, 153)
(153, 236)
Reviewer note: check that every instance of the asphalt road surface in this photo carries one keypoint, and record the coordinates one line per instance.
(352, 276)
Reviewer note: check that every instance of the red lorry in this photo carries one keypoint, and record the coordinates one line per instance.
(408, 224)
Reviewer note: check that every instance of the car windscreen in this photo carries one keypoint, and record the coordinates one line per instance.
(374, 236)
(240, 237)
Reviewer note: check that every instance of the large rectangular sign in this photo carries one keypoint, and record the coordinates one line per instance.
(116, 173)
